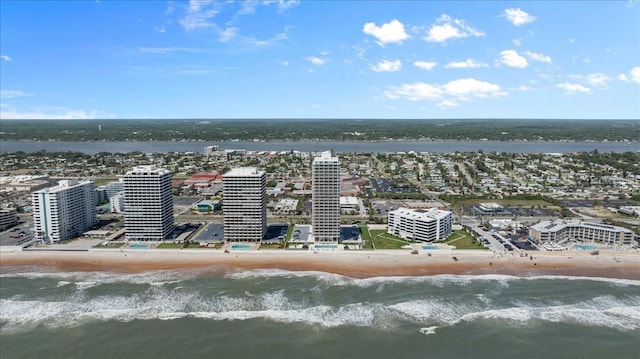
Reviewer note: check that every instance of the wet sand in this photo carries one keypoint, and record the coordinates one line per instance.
(360, 264)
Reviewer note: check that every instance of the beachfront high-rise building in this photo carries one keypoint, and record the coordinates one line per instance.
(325, 208)
(64, 211)
(148, 204)
(244, 204)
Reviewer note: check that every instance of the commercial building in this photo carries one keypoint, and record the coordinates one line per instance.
(349, 205)
(148, 204)
(325, 195)
(419, 224)
(64, 211)
(560, 231)
(244, 204)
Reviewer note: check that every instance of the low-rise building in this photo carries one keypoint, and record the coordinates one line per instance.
(348, 204)
(8, 218)
(560, 231)
(420, 225)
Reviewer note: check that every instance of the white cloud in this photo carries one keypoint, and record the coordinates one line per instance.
(168, 50)
(511, 58)
(5, 58)
(391, 32)
(54, 114)
(387, 66)
(518, 17)
(247, 8)
(360, 52)
(517, 42)
(228, 34)
(623, 77)
(570, 88)
(447, 95)
(472, 87)
(416, 91)
(265, 43)
(447, 104)
(538, 56)
(13, 94)
(284, 63)
(635, 74)
(425, 65)
(199, 14)
(282, 4)
(316, 60)
(447, 28)
(524, 88)
(467, 64)
(597, 79)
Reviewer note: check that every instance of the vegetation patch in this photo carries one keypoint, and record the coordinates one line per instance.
(271, 246)
(383, 240)
(109, 245)
(169, 246)
(103, 181)
(461, 239)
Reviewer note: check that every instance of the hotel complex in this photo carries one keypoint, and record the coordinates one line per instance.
(560, 231)
(244, 204)
(325, 208)
(419, 224)
(148, 204)
(64, 211)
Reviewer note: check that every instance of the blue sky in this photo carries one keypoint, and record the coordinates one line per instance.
(319, 59)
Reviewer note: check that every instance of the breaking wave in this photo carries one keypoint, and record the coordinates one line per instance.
(168, 295)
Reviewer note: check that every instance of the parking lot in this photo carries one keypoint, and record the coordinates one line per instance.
(212, 232)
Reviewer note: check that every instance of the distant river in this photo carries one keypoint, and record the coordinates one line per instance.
(311, 146)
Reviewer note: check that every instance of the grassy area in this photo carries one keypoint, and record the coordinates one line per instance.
(364, 229)
(178, 245)
(110, 245)
(383, 240)
(461, 239)
(287, 237)
(271, 246)
(103, 181)
(169, 246)
(366, 237)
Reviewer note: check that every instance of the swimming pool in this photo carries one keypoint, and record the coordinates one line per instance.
(139, 246)
(326, 246)
(241, 246)
(430, 247)
(585, 247)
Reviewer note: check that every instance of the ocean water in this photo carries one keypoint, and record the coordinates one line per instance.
(217, 313)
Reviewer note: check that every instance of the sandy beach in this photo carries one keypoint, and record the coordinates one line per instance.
(361, 264)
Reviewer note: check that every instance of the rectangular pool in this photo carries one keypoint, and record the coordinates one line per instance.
(139, 246)
(241, 246)
(326, 246)
(585, 247)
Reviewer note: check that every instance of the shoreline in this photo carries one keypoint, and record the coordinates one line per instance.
(621, 265)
